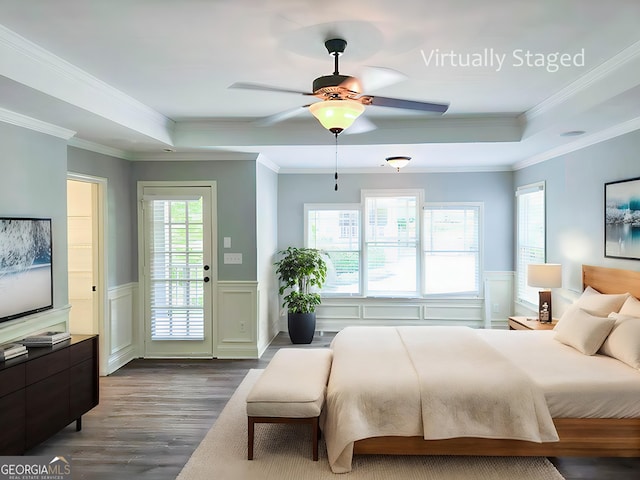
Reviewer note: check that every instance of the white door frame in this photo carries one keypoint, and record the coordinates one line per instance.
(101, 252)
(141, 255)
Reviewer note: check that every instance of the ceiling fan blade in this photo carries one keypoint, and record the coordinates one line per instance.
(406, 104)
(279, 117)
(361, 125)
(267, 88)
(374, 78)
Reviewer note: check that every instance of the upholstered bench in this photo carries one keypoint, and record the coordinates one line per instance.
(291, 389)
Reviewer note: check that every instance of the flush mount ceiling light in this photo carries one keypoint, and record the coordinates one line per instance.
(336, 115)
(398, 162)
(573, 133)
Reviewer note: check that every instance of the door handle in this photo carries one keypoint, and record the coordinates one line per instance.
(206, 279)
(206, 267)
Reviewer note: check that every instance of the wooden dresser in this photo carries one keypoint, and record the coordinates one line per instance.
(46, 390)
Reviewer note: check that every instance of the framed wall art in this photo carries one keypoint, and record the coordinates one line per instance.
(622, 219)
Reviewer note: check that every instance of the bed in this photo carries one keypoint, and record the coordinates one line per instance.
(379, 402)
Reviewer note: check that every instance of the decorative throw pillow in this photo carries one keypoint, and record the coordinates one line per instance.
(623, 342)
(630, 307)
(600, 304)
(583, 331)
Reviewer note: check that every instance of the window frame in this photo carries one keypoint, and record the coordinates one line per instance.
(421, 206)
(338, 207)
(521, 296)
(479, 207)
(404, 192)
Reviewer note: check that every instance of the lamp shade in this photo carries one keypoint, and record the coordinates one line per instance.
(544, 275)
(398, 162)
(336, 115)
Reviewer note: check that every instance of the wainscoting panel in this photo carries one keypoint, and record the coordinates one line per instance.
(119, 338)
(397, 311)
(336, 313)
(499, 297)
(332, 311)
(236, 326)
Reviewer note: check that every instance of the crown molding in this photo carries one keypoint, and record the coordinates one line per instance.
(193, 156)
(98, 148)
(386, 169)
(33, 66)
(602, 71)
(20, 120)
(264, 160)
(586, 141)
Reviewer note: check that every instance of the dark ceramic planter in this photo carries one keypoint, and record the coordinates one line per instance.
(301, 327)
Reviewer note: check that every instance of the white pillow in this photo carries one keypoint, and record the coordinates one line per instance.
(630, 307)
(600, 304)
(623, 342)
(583, 331)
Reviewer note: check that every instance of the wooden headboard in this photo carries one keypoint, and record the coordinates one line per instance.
(611, 280)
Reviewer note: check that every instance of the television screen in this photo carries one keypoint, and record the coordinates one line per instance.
(26, 275)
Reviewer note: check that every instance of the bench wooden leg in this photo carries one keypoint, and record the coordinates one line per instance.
(315, 434)
(313, 421)
(250, 430)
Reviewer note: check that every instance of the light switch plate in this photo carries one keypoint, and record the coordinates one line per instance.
(227, 242)
(233, 258)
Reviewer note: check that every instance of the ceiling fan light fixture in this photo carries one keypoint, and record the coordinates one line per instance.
(336, 115)
(398, 162)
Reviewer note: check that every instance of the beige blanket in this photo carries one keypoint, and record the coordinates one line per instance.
(438, 382)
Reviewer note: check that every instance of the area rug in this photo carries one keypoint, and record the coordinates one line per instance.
(283, 452)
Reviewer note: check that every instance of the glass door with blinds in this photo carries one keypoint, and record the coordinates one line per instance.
(178, 275)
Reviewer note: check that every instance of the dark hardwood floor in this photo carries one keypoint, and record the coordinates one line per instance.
(154, 413)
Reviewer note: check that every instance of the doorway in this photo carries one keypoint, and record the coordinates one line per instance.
(85, 252)
(178, 269)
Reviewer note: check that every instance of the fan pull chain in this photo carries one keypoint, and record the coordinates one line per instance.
(336, 175)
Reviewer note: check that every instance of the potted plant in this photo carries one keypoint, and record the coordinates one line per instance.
(299, 270)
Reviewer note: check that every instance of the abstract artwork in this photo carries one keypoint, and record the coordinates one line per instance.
(622, 219)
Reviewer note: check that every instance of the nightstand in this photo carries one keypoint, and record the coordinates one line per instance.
(529, 323)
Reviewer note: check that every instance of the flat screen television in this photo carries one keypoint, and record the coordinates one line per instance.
(26, 273)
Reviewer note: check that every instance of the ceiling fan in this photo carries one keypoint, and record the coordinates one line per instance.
(342, 98)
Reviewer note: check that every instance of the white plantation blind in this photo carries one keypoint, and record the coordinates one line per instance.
(531, 236)
(336, 231)
(176, 269)
(451, 248)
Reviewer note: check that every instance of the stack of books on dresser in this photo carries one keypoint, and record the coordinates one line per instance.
(11, 350)
(46, 339)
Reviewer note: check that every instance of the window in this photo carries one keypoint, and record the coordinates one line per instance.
(391, 242)
(335, 229)
(451, 248)
(175, 270)
(380, 247)
(530, 237)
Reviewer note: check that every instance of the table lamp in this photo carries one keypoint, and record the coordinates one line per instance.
(545, 276)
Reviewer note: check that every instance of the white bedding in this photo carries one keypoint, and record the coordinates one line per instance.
(388, 381)
(575, 385)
